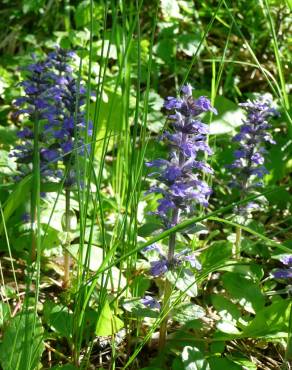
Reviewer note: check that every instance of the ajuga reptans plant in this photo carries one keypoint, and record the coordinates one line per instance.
(248, 167)
(54, 125)
(179, 179)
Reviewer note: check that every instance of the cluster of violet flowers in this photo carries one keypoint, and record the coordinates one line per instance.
(284, 273)
(248, 167)
(179, 178)
(53, 100)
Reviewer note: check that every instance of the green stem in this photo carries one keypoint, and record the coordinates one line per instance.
(167, 284)
(288, 353)
(35, 198)
(66, 282)
(237, 244)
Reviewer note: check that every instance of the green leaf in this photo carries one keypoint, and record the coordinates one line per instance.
(136, 307)
(4, 313)
(218, 363)
(7, 165)
(59, 319)
(228, 327)
(170, 9)
(229, 117)
(188, 312)
(247, 293)
(108, 323)
(149, 228)
(270, 321)
(193, 359)
(96, 257)
(188, 43)
(16, 199)
(218, 251)
(65, 367)
(184, 280)
(7, 134)
(225, 308)
(32, 6)
(252, 271)
(243, 362)
(22, 345)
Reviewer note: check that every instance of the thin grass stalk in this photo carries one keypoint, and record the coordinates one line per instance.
(36, 244)
(66, 281)
(288, 352)
(237, 245)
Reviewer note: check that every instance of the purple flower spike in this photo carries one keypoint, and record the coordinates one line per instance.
(55, 97)
(187, 142)
(248, 165)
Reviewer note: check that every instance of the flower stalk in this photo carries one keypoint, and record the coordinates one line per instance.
(248, 166)
(179, 176)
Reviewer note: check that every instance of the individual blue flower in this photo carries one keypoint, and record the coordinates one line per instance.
(150, 302)
(284, 273)
(162, 265)
(287, 260)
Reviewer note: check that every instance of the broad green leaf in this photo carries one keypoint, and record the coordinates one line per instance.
(227, 327)
(188, 312)
(193, 359)
(243, 362)
(250, 270)
(7, 164)
(16, 199)
(188, 42)
(229, 117)
(170, 9)
(58, 318)
(184, 280)
(136, 307)
(218, 251)
(149, 228)
(219, 363)
(245, 291)
(108, 323)
(270, 321)
(22, 344)
(225, 308)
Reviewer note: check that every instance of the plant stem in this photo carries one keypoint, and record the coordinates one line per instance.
(236, 247)
(35, 197)
(66, 282)
(167, 284)
(288, 352)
